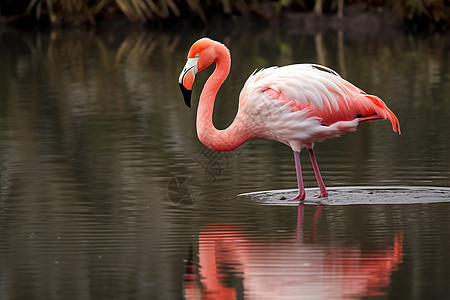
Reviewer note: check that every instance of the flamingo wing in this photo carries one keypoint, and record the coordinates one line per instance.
(320, 91)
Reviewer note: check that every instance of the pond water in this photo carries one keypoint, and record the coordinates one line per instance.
(106, 192)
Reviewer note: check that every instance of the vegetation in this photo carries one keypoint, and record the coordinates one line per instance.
(143, 11)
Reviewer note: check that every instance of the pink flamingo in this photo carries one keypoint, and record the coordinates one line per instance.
(297, 105)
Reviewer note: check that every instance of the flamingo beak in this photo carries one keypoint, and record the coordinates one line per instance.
(186, 79)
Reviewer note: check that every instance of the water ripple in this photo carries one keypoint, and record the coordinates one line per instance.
(353, 195)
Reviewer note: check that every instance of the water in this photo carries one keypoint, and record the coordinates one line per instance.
(106, 192)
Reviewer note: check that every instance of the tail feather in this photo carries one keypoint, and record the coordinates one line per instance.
(384, 112)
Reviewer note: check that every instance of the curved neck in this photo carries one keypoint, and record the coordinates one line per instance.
(218, 140)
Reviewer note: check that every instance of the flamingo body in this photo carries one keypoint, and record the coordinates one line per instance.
(297, 105)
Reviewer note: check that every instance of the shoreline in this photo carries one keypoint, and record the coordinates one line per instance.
(358, 19)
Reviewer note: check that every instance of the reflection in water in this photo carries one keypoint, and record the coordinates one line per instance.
(231, 265)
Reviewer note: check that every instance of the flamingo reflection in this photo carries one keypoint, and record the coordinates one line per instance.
(234, 266)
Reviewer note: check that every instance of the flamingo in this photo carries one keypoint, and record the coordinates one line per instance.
(296, 105)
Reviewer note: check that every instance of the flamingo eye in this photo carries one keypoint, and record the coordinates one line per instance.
(197, 55)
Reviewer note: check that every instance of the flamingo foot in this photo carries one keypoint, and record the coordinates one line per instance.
(299, 197)
(323, 195)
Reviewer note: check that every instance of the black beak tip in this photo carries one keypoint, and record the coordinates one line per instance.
(186, 94)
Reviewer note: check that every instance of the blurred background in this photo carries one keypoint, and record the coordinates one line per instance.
(75, 13)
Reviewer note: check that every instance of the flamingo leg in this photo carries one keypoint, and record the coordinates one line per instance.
(301, 187)
(322, 188)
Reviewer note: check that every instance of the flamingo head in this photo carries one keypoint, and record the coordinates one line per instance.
(201, 55)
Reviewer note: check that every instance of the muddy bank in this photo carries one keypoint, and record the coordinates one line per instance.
(358, 19)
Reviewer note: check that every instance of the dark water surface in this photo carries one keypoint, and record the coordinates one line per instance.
(106, 192)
